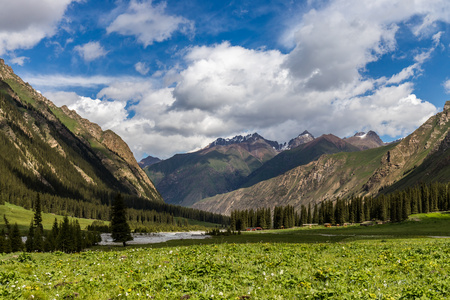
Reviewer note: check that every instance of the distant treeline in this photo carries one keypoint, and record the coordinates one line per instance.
(141, 211)
(15, 191)
(395, 207)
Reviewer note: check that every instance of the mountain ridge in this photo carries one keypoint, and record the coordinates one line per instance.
(347, 173)
(220, 167)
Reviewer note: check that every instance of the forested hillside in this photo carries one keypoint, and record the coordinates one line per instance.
(75, 166)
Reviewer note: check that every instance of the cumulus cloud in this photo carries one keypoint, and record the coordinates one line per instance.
(149, 23)
(62, 98)
(320, 85)
(90, 51)
(23, 23)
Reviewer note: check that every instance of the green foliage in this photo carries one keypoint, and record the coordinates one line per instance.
(120, 230)
(393, 269)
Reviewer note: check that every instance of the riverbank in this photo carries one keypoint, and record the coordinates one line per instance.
(156, 237)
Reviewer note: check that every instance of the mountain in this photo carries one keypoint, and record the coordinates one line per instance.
(421, 156)
(299, 155)
(303, 138)
(365, 141)
(148, 161)
(220, 167)
(251, 139)
(54, 151)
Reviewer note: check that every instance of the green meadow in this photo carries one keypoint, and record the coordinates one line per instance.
(23, 217)
(410, 260)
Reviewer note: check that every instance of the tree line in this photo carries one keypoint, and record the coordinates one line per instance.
(394, 207)
(65, 236)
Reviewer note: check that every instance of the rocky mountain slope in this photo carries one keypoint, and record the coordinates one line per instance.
(365, 141)
(421, 156)
(299, 155)
(303, 138)
(53, 150)
(220, 167)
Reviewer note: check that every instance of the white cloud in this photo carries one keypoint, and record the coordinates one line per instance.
(108, 114)
(447, 86)
(141, 68)
(91, 51)
(51, 82)
(62, 98)
(19, 60)
(23, 23)
(149, 23)
(226, 90)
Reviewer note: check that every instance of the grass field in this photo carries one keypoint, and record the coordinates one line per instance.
(23, 217)
(392, 261)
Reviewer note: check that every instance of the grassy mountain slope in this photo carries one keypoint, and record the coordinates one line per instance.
(344, 174)
(47, 149)
(185, 179)
(301, 155)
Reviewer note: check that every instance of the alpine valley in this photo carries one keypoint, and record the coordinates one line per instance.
(68, 159)
(421, 157)
(76, 167)
(243, 161)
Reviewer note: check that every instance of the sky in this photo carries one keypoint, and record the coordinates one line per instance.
(172, 76)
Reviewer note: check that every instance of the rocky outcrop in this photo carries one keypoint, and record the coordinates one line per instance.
(411, 151)
(303, 138)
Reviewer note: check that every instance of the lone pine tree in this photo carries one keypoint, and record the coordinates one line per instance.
(120, 230)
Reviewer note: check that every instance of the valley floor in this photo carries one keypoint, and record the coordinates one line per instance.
(383, 262)
(377, 269)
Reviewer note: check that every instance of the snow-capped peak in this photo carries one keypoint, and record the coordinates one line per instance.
(361, 135)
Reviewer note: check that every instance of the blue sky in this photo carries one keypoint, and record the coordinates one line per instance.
(172, 76)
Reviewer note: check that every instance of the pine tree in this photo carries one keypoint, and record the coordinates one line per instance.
(38, 213)
(120, 230)
(29, 244)
(309, 216)
(277, 217)
(16, 239)
(2, 241)
(315, 218)
(65, 238)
